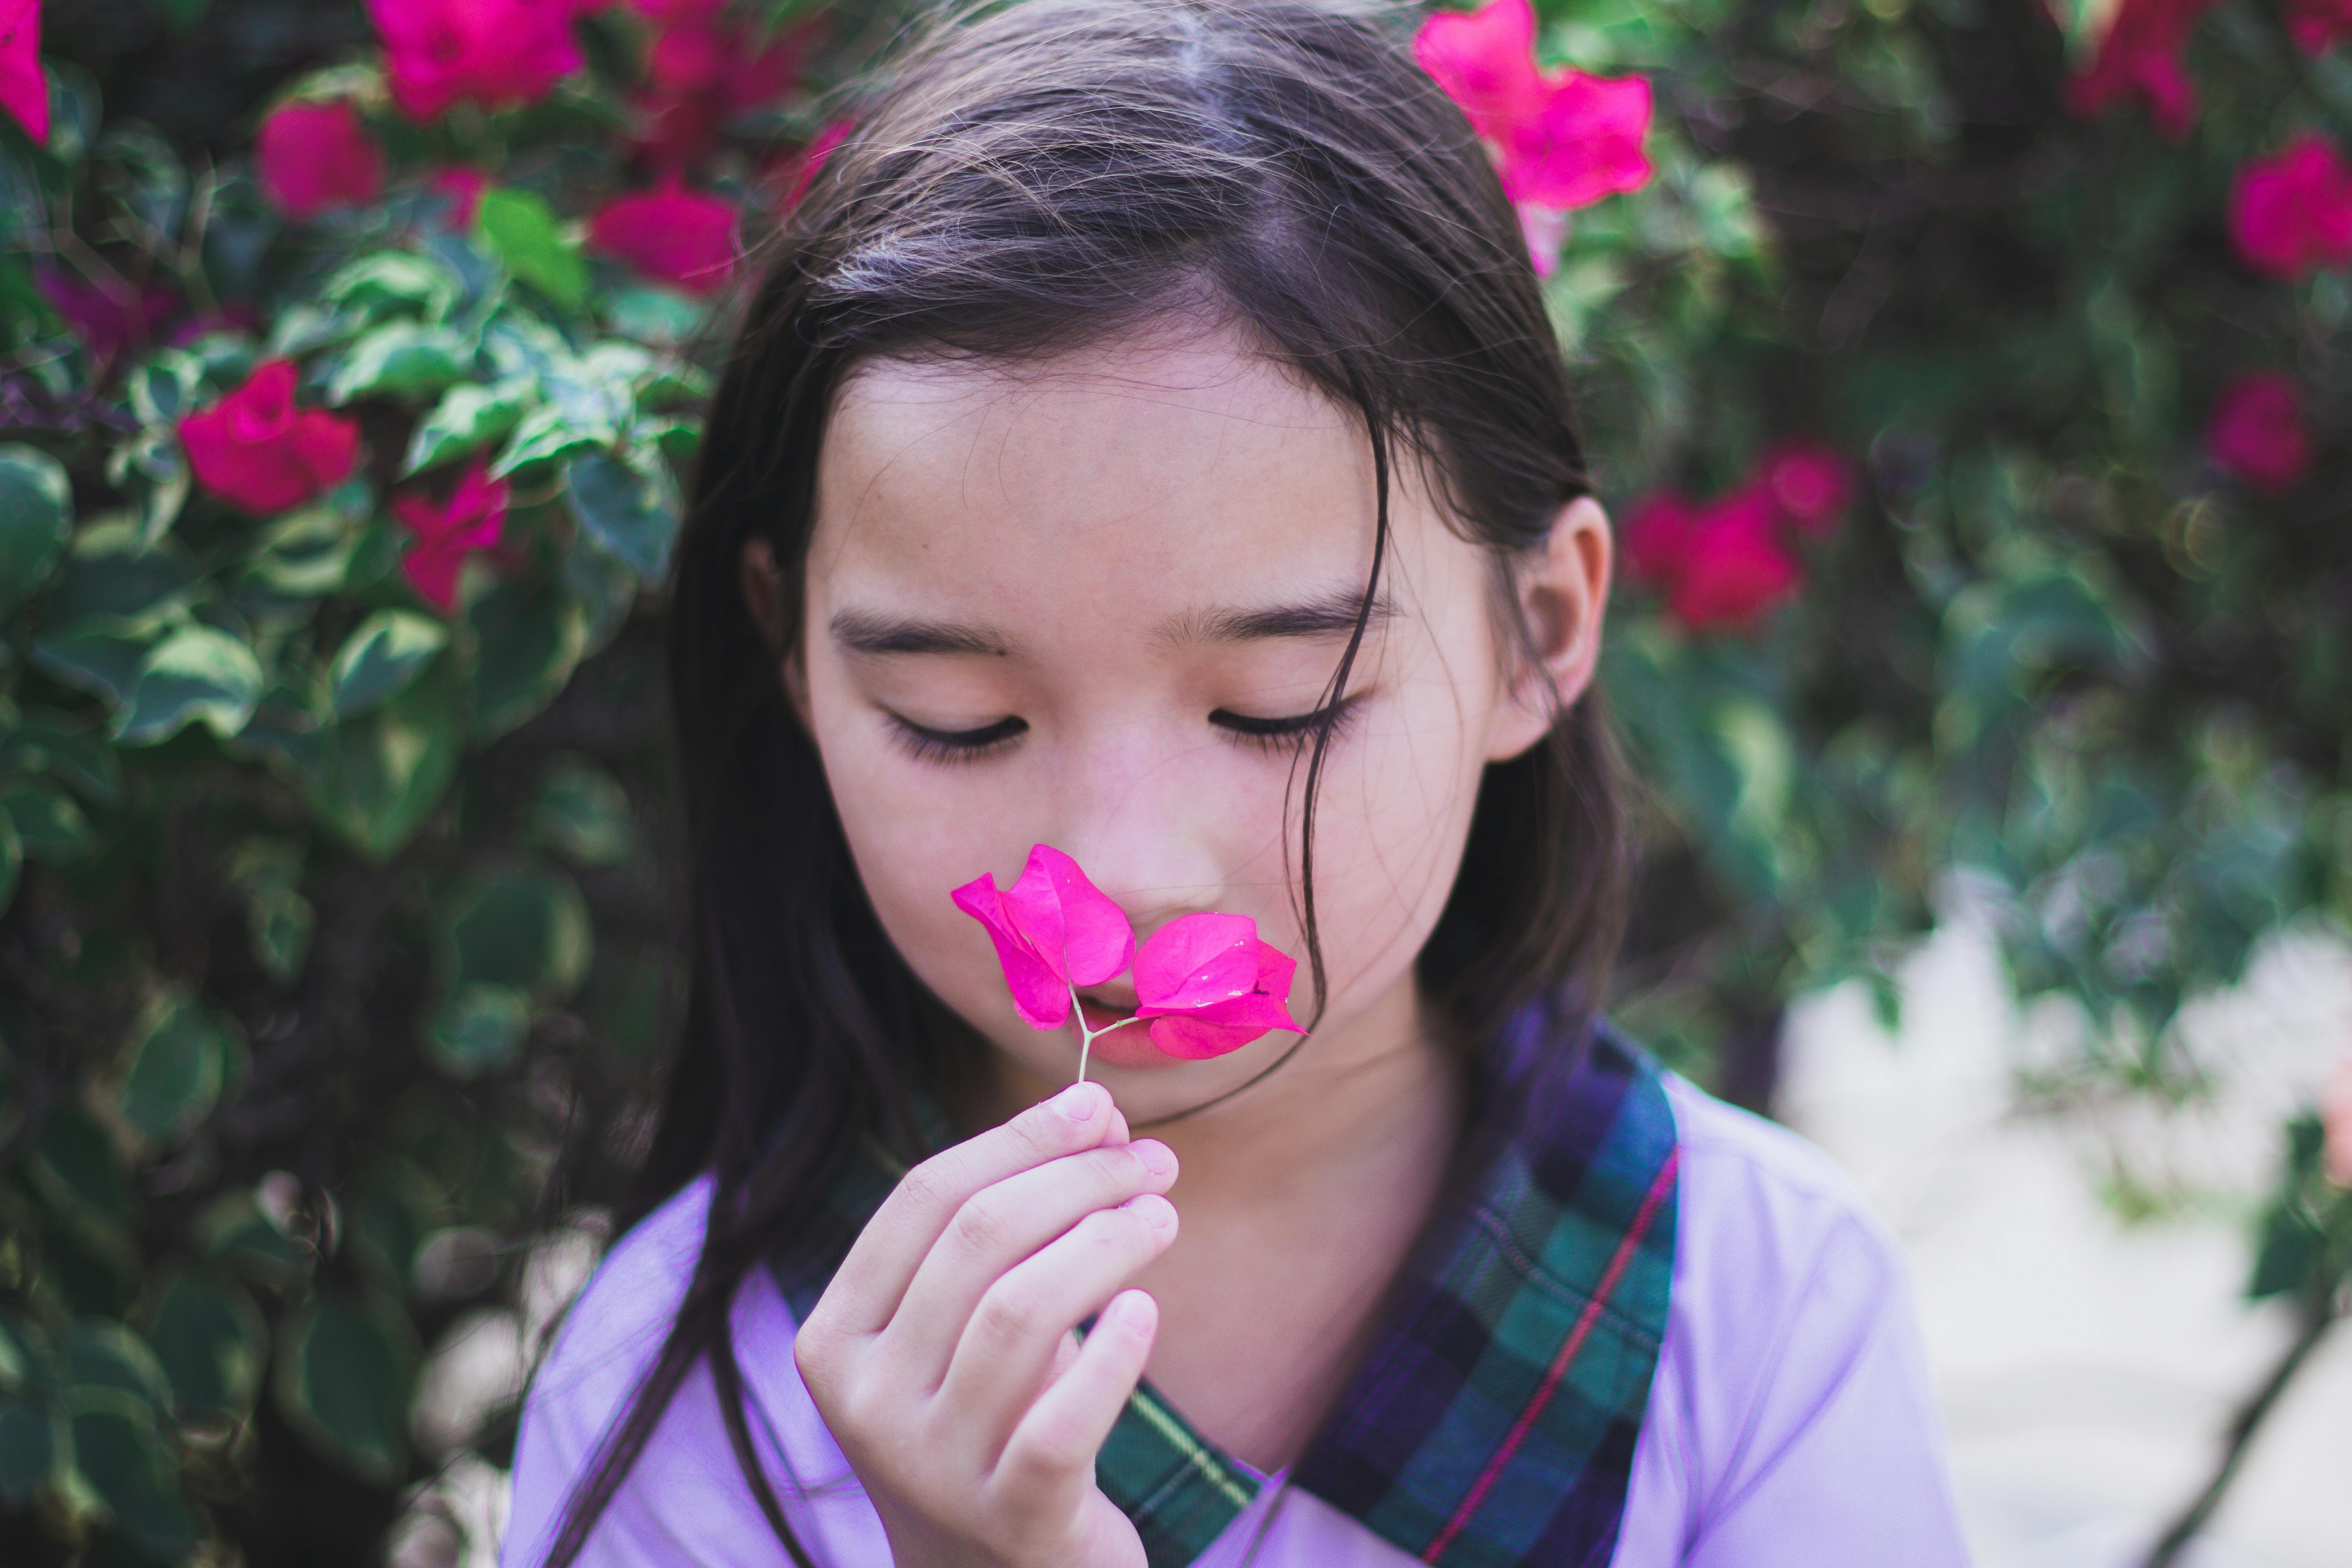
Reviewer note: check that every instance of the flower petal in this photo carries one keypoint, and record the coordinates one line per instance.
(1098, 941)
(1040, 996)
(1194, 961)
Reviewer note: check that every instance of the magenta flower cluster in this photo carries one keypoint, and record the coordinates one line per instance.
(1205, 983)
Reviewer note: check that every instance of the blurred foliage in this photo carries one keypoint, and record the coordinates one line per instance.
(337, 947)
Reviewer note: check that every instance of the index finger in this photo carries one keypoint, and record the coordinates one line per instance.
(866, 1288)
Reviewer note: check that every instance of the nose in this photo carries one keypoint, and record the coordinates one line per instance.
(1141, 815)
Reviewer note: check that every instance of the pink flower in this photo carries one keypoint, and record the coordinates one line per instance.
(700, 75)
(108, 320)
(257, 449)
(1658, 537)
(499, 53)
(2141, 55)
(1720, 564)
(2256, 433)
(1564, 140)
(462, 189)
(2315, 25)
(810, 162)
(2292, 211)
(1053, 930)
(314, 156)
(670, 233)
(1208, 985)
(447, 532)
(1811, 484)
(1736, 567)
(2335, 1121)
(24, 91)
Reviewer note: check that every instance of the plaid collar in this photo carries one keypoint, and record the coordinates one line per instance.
(1493, 1421)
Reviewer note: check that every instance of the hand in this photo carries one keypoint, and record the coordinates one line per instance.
(944, 1356)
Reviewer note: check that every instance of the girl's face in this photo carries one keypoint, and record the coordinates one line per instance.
(1092, 604)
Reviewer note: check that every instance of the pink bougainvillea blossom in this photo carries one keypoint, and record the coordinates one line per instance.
(2291, 212)
(1657, 537)
(700, 75)
(1053, 930)
(108, 319)
(1208, 985)
(2317, 24)
(23, 90)
(1562, 140)
(2257, 432)
(498, 53)
(257, 449)
(2141, 56)
(314, 156)
(2335, 1123)
(447, 532)
(1811, 484)
(809, 161)
(462, 189)
(1736, 565)
(678, 236)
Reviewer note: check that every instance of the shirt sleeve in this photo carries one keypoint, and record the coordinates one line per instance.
(1791, 1422)
(685, 1499)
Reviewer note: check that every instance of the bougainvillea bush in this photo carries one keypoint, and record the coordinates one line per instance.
(1967, 381)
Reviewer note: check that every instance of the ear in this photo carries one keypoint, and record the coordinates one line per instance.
(764, 596)
(1560, 591)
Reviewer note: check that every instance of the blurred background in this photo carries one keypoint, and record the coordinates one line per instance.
(1968, 378)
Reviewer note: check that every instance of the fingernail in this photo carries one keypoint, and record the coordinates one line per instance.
(1078, 1102)
(1154, 1208)
(1157, 1157)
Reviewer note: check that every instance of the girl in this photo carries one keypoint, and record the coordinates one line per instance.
(1150, 441)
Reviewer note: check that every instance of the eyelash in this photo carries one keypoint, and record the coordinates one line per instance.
(1262, 734)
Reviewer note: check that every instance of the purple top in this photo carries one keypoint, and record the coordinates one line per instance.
(1790, 1424)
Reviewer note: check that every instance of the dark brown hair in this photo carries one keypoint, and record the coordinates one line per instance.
(1028, 181)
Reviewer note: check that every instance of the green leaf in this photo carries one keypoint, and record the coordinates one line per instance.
(384, 773)
(479, 1029)
(630, 508)
(32, 1450)
(67, 748)
(232, 1228)
(529, 930)
(394, 280)
(543, 436)
(522, 230)
(388, 650)
(212, 1344)
(102, 1354)
(114, 574)
(345, 1368)
(96, 659)
(48, 824)
(401, 359)
(195, 673)
(468, 416)
(528, 638)
(648, 313)
(117, 1452)
(268, 873)
(582, 812)
(36, 519)
(176, 1065)
(307, 553)
(75, 1166)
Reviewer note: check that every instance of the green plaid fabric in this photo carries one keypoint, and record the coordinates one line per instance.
(1494, 1420)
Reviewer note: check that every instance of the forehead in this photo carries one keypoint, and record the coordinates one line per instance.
(1171, 466)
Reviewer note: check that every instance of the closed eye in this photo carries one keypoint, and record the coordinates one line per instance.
(955, 745)
(1291, 733)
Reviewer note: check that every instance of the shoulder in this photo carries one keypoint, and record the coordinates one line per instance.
(615, 1326)
(1790, 1384)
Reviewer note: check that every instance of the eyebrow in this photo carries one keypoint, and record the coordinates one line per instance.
(1328, 615)
(1334, 614)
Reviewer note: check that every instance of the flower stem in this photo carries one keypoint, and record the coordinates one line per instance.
(1086, 1037)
